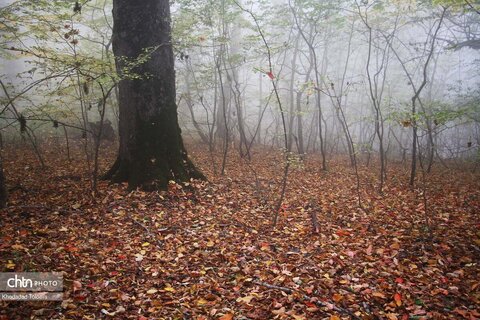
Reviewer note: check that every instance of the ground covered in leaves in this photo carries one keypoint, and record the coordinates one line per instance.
(206, 250)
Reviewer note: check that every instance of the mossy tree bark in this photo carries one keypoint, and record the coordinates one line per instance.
(151, 148)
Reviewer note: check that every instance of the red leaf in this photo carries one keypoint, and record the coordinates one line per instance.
(80, 297)
(270, 75)
(398, 299)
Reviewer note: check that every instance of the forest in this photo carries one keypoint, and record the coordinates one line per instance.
(240, 159)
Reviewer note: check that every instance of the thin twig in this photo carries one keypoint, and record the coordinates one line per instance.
(149, 233)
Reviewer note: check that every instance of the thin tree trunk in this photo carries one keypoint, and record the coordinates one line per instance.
(3, 187)
(415, 97)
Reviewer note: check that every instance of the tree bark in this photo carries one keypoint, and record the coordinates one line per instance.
(3, 187)
(151, 148)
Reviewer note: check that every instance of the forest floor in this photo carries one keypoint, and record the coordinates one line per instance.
(207, 250)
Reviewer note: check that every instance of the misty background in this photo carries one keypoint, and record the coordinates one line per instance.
(352, 77)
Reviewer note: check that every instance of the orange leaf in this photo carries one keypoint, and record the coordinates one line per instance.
(228, 316)
(395, 246)
(378, 295)
(342, 233)
(264, 246)
(337, 297)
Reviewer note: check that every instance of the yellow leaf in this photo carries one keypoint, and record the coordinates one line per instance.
(201, 302)
(245, 299)
(169, 289)
(10, 265)
(210, 244)
(181, 249)
(392, 316)
(152, 291)
(145, 244)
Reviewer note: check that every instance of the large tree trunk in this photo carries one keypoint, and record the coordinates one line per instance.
(151, 147)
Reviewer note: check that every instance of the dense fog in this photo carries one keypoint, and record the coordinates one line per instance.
(350, 77)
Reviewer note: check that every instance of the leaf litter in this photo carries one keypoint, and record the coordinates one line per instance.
(206, 250)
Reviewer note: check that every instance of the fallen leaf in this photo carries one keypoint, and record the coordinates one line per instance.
(279, 311)
(17, 247)
(152, 291)
(77, 285)
(169, 289)
(379, 295)
(395, 246)
(369, 250)
(398, 299)
(245, 299)
(337, 297)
